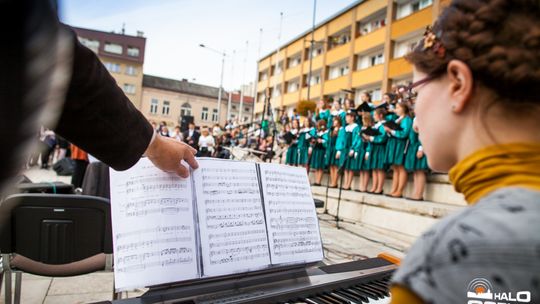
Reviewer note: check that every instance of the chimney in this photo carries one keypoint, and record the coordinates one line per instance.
(140, 34)
(184, 80)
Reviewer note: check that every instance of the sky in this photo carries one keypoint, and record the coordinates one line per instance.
(174, 29)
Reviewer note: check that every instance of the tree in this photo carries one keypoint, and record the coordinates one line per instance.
(305, 106)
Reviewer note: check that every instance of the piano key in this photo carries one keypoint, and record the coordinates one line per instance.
(331, 299)
(383, 289)
(353, 294)
(322, 300)
(367, 293)
(380, 289)
(385, 300)
(344, 298)
(313, 301)
(377, 291)
(381, 284)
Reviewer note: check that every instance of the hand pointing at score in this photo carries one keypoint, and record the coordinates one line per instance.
(167, 154)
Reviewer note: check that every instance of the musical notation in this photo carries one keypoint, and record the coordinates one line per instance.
(231, 217)
(153, 227)
(290, 214)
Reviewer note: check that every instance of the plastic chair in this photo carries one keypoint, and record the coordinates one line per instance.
(53, 235)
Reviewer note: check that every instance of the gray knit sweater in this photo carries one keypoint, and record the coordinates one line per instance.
(494, 244)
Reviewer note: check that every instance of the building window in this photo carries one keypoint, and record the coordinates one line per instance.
(131, 70)
(404, 47)
(214, 115)
(295, 61)
(338, 71)
(247, 109)
(204, 114)
(89, 43)
(112, 67)
(246, 118)
(369, 60)
(133, 51)
(261, 97)
(129, 88)
(376, 94)
(292, 87)
(339, 39)
(113, 48)
(154, 106)
(315, 79)
(411, 7)
(317, 51)
(185, 110)
(372, 24)
(233, 107)
(276, 92)
(166, 108)
(263, 76)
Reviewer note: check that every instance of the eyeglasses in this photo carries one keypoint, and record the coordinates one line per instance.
(412, 93)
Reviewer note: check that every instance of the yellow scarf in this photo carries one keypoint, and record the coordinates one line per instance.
(495, 167)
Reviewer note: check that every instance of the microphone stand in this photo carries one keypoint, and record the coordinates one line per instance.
(341, 173)
(328, 177)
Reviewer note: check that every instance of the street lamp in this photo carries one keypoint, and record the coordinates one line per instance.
(223, 54)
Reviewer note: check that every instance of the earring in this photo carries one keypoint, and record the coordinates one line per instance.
(453, 108)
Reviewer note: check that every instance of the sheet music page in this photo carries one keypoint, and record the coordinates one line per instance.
(231, 218)
(293, 227)
(153, 227)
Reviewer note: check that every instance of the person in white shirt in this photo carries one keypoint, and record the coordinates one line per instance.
(206, 143)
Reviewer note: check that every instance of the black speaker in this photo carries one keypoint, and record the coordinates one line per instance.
(185, 121)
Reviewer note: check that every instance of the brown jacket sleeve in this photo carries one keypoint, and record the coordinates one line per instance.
(98, 117)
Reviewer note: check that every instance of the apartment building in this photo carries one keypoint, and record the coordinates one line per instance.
(358, 49)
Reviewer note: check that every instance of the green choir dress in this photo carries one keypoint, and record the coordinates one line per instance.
(413, 163)
(292, 151)
(397, 143)
(330, 150)
(341, 114)
(353, 138)
(326, 116)
(318, 154)
(341, 146)
(304, 139)
(362, 147)
(378, 149)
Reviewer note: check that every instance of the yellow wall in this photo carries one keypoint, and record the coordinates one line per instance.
(399, 67)
(367, 76)
(335, 85)
(340, 23)
(370, 40)
(369, 7)
(315, 92)
(413, 22)
(338, 53)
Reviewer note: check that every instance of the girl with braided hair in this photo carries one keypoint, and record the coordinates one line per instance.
(474, 73)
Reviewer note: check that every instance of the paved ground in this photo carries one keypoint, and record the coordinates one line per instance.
(340, 245)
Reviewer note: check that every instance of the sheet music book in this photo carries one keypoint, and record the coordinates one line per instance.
(228, 217)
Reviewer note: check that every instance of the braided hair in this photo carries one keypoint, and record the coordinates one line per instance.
(499, 40)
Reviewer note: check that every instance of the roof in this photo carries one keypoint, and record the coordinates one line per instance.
(235, 97)
(181, 86)
(318, 25)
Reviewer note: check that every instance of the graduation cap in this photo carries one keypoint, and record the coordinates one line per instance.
(371, 132)
(393, 125)
(364, 107)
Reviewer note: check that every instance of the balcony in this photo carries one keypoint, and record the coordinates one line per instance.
(293, 72)
(338, 53)
(317, 64)
(291, 98)
(336, 85)
(276, 79)
(398, 67)
(368, 8)
(367, 76)
(369, 41)
(261, 86)
(413, 22)
(314, 92)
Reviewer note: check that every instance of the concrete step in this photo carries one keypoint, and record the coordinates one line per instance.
(400, 219)
(438, 188)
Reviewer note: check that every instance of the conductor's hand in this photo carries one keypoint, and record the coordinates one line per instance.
(167, 154)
